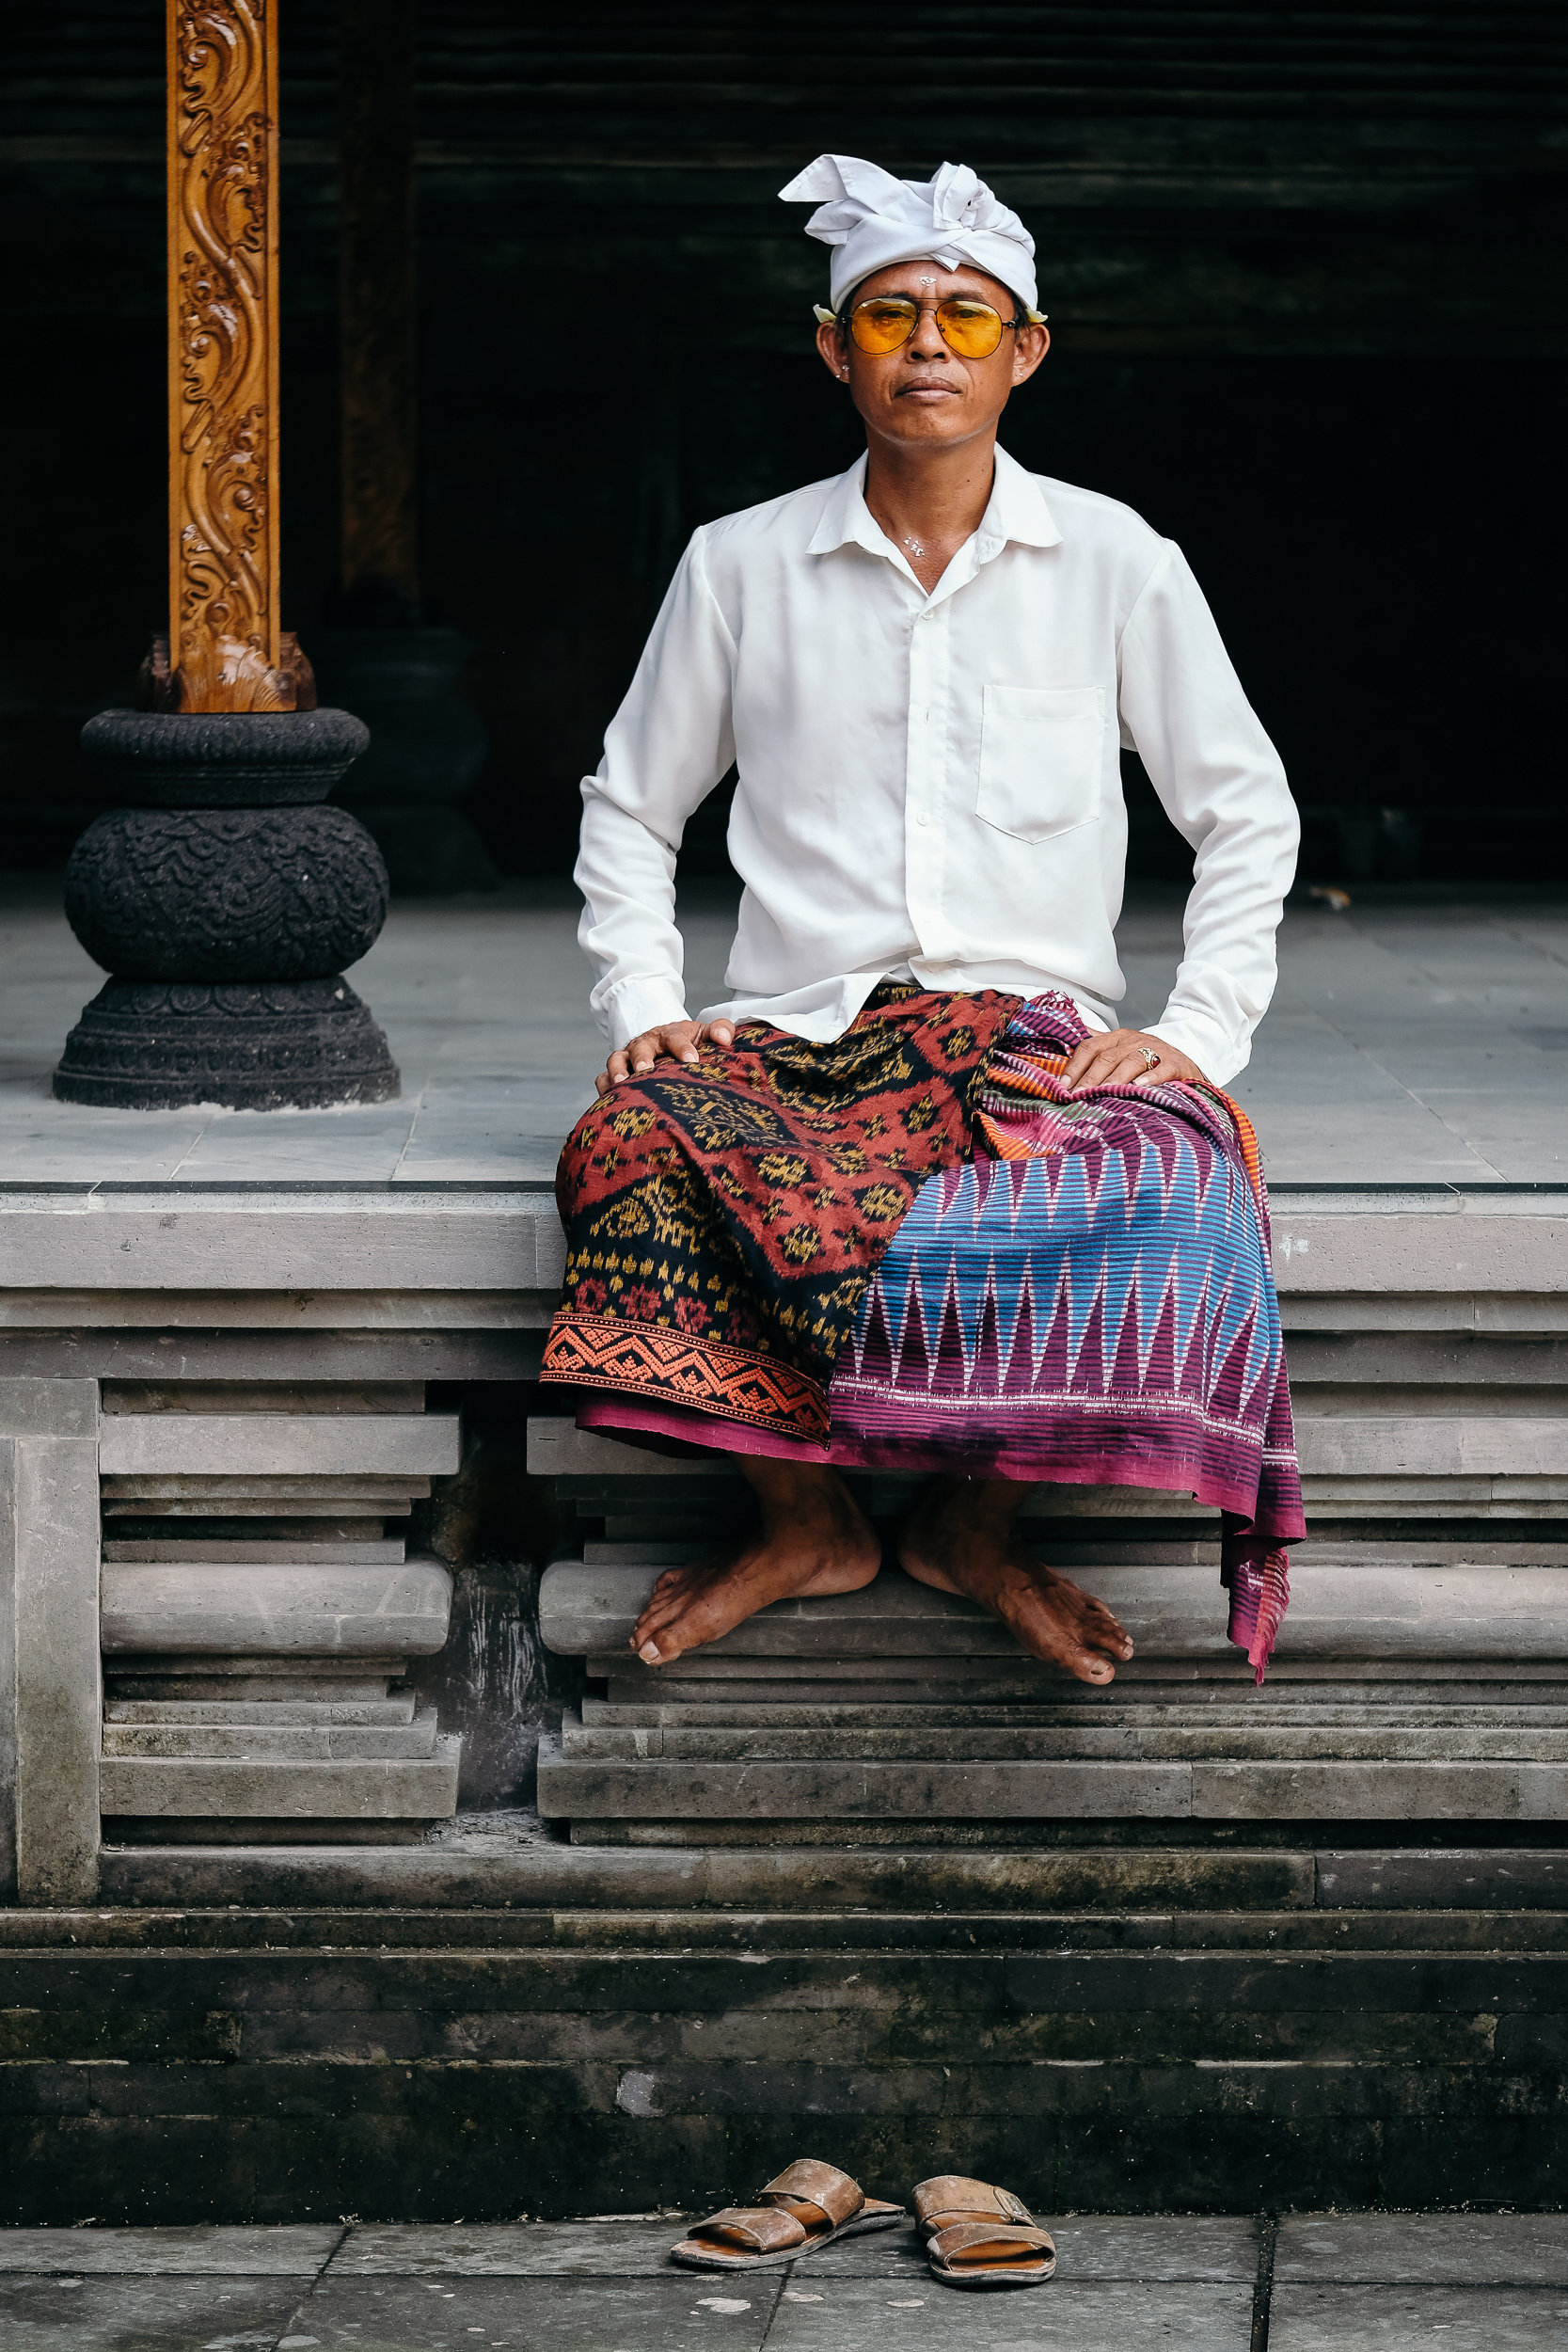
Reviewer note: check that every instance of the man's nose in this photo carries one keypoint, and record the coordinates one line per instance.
(926, 343)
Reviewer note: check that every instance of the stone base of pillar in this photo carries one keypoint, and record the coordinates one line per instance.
(225, 901)
(155, 1045)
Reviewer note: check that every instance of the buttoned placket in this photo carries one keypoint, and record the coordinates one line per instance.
(924, 763)
(927, 786)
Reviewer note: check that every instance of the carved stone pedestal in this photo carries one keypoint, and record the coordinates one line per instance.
(223, 899)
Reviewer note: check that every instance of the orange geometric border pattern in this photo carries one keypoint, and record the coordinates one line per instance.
(649, 1359)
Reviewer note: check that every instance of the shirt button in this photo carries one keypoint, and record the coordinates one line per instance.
(922, 818)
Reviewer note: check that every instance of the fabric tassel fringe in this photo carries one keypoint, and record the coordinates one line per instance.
(1259, 1595)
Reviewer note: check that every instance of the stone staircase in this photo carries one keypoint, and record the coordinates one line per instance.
(862, 1878)
(1422, 1678)
(906, 1711)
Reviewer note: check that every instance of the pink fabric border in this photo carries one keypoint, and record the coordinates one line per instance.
(679, 1429)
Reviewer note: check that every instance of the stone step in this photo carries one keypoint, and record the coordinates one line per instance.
(364, 1789)
(264, 1396)
(254, 1743)
(220, 1497)
(1295, 1704)
(1276, 1740)
(968, 1682)
(421, 1445)
(1434, 1446)
(370, 1552)
(980, 2011)
(240, 1681)
(175, 1512)
(1196, 1552)
(214, 1609)
(785, 1934)
(1378, 1613)
(400, 1711)
(1256, 1788)
(468, 1878)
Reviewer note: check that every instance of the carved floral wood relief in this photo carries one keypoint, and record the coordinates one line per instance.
(223, 358)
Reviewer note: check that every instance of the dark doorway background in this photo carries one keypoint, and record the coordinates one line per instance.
(1305, 270)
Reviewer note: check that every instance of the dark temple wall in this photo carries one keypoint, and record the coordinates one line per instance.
(1304, 271)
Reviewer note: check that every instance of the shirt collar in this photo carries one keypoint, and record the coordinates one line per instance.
(1016, 511)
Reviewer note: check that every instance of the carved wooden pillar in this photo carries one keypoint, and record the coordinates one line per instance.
(220, 899)
(223, 471)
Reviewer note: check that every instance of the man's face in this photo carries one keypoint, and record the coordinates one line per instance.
(923, 392)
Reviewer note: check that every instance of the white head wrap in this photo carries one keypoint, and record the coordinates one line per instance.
(872, 220)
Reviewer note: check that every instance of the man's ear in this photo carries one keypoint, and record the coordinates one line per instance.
(830, 343)
(1030, 346)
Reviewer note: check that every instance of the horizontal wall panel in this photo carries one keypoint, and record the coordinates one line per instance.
(394, 1789)
(1433, 1446)
(330, 1240)
(230, 1611)
(283, 1444)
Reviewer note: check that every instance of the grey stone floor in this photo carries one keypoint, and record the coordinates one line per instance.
(1312, 2282)
(1420, 1036)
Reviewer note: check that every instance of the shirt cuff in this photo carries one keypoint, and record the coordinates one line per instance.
(1203, 1042)
(649, 1003)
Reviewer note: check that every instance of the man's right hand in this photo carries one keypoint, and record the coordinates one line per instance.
(678, 1041)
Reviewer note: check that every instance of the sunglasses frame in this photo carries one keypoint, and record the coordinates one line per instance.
(844, 321)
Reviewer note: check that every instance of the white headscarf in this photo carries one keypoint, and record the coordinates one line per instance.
(872, 220)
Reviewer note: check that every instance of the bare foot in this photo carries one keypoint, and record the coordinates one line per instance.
(814, 1538)
(960, 1538)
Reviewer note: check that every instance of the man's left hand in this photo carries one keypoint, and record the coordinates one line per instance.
(1121, 1057)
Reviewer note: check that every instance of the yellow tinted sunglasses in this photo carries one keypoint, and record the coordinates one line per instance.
(885, 322)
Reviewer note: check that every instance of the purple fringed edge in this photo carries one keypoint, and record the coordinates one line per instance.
(1259, 1595)
(1254, 1570)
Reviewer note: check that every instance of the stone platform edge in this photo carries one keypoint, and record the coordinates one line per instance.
(240, 1238)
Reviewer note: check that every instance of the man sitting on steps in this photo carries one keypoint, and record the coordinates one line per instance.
(909, 1199)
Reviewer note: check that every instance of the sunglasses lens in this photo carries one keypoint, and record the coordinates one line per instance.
(973, 329)
(881, 327)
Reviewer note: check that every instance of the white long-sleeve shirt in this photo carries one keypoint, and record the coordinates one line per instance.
(932, 783)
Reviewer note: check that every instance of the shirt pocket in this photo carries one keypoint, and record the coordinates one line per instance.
(1042, 749)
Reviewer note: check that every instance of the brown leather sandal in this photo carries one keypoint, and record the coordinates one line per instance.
(807, 2207)
(964, 2246)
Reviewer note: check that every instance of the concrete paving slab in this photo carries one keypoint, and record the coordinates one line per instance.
(1192, 2247)
(1403, 2319)
(571, 2314)
(291, 2251)
(1433, 2249)
(1091, 2245)
(1371, 1005)
(150, 2315)
(860, 2315)
(517, 2249)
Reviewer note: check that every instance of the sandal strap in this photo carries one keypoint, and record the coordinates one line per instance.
(949, 2197)
(817, 2188)
(762, 2227)
(968, 2237)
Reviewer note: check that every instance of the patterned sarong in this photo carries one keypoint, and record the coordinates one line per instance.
(912, 1247)
(1093, 1305)
(723, 1220)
